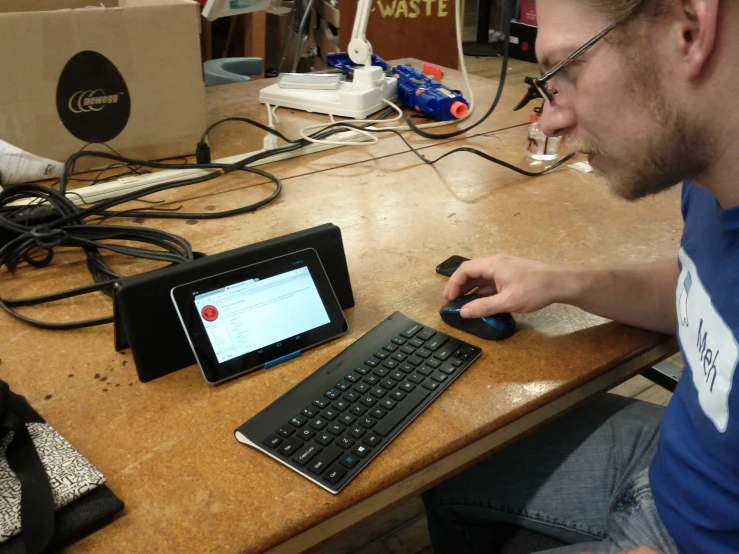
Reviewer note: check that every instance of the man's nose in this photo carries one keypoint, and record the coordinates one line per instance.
(557, 120)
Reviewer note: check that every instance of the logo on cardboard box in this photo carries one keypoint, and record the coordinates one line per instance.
(92, 98)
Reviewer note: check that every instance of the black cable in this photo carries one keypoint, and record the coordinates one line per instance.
(261, 126)
(503, 72)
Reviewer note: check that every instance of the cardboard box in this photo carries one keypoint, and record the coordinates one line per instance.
(124, 72)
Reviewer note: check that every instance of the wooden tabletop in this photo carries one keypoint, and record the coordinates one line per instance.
(167, 447)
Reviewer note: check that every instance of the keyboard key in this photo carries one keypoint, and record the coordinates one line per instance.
(354, 377)
(456, 363)
(367, 422)
(381, 371)
(423, 353)
(399, 357)
(378, 392)
(372, 379)
(407, 386)
(416, 343)
(381, 354)
(448, 370)
(324, 459)
(372, 362)
(333, 394)
(309, 411)
(398, 395)
(352, 396)
(387, 384)
(415, 328)
(368, 401)
(406, 368)
(416, 378)
(299, 420)
(345, 442)
(407, 350)
(343, 385)
(444, 352)
(318, 424)
(347, 419)
(324, 439)
(389, 403)
(371, 439)
(426, 334)
(399, 341)
(341, 405)
(439, 376)
(430, 384)
(423, 370)
(306, 454)
(390, 364)
(321, 402)
(273, 440)
(413, 360)
(335, 429)
(334, 475)
(349, 461)
(286, 430)
(306, 434)
(436, 342)
(390, 347)
(330, 414)
(361, 450)
(433, 362)
(378, 412)
(363, 369)
(401, 411)
(356, 432)
(397, 375)
(361, 388)
(291, 445)
(358, 410)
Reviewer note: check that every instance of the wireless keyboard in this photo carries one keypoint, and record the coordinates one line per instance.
(331, 425)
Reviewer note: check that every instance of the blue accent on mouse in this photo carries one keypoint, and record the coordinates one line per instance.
(494, 327)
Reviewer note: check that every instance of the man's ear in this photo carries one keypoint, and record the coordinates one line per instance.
(698, 28)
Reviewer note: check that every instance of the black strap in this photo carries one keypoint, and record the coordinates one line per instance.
(37, 501)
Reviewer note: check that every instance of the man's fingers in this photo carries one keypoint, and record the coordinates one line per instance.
(483, 307)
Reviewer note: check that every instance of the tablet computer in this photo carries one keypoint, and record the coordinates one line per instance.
(258, 315)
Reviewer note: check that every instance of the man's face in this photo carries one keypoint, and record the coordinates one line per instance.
(612, 106)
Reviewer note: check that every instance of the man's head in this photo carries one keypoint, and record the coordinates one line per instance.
(642, 101)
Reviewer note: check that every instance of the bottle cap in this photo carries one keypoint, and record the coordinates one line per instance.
(534, 117)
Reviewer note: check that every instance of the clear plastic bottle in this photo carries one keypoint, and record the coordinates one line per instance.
(541, 147)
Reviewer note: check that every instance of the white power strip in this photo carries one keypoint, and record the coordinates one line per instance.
(125, 185)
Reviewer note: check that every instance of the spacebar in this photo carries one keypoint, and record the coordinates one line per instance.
(401, 411)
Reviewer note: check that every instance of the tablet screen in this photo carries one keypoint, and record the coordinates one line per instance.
(257, 315)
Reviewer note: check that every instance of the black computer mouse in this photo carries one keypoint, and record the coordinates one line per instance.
(494, 327)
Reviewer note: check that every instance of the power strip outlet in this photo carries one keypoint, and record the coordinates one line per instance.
(125, 185)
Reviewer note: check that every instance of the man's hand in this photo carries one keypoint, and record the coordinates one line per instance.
(509, 285)
(641, 550)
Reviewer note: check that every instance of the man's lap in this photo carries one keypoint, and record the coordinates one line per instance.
(582, 478)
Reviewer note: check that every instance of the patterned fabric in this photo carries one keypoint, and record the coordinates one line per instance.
(70, 475)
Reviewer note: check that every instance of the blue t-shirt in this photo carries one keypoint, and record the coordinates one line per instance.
(695, 473)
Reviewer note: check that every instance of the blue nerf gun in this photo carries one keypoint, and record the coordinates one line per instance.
(422, 93)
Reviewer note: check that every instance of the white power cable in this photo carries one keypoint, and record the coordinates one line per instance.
(371, 137)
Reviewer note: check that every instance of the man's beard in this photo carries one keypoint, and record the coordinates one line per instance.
(677, 149)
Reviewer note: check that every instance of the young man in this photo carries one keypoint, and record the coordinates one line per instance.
(653, 101)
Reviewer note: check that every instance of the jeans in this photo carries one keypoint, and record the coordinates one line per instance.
(583, 480)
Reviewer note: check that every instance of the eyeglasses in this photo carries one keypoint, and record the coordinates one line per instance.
(538, 87)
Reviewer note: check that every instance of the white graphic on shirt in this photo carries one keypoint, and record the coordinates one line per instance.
(709, 346)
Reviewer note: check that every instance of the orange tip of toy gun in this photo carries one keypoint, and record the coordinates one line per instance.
(459, 109)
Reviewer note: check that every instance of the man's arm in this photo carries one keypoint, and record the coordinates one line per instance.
(639, 295)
